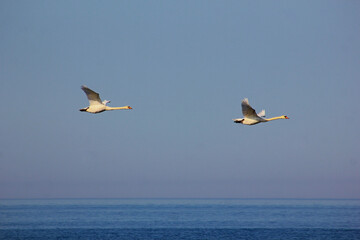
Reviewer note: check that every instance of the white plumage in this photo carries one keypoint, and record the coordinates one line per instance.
(95, 103)
(251, 117)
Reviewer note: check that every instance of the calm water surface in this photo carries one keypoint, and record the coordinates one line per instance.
(179, 219)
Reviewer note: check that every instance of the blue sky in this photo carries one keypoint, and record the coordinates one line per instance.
(184, 67)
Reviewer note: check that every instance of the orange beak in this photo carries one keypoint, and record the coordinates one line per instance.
(287, 117)
(130, 107)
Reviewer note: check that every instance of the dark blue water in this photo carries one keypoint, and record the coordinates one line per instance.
(179, 219)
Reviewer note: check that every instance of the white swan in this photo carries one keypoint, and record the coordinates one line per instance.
(96, 106)
(250, 116)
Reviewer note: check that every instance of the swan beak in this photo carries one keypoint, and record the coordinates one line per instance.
(286, 117)
(130, 107)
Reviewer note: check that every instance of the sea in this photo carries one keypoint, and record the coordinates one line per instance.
(170, 219)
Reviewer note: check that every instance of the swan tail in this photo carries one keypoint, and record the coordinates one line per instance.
(238, 120)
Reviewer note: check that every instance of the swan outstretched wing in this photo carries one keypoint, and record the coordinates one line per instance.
(105, 102)
(262, 113)
(247, 110)
(93, 97)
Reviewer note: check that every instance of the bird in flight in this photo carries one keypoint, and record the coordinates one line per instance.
(96, 105)
(251, 117)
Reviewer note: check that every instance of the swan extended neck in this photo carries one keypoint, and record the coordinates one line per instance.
(117, 108)
(275, 118)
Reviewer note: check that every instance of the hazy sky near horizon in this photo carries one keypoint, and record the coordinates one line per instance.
(184, 67)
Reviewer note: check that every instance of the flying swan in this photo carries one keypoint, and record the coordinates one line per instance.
(250, 116)
(96, 106)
